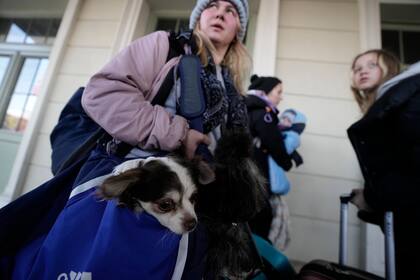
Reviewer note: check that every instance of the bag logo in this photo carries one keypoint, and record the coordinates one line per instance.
(75, 276)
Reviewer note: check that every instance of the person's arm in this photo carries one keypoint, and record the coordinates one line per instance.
(272, 140)
(118, 97)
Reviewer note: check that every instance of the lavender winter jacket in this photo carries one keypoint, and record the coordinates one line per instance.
(118, 96)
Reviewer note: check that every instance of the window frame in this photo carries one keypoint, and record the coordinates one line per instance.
(18, 54)
(400, 28)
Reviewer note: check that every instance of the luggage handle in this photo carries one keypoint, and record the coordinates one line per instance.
(389, 237)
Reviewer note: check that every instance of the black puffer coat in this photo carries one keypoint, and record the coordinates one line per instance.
(263, 123)
(387, 144)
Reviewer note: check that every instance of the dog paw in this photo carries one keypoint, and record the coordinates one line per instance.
(125, 166)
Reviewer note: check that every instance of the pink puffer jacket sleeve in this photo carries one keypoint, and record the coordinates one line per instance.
(118, 96)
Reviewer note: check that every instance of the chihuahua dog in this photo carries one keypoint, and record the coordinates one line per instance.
(165, 187)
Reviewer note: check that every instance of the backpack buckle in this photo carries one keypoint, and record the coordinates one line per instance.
(111, 147)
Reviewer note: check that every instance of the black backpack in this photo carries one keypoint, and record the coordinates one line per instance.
(76, 134)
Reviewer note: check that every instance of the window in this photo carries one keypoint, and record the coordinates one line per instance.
(401, 31)
(25, 92)
(405, 44)
(24, 48)
(40, 31)
(172, 24)
(4, 63)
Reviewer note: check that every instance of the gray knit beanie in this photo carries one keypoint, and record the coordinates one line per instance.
(241, 7)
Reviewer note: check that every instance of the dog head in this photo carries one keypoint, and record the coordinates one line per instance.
(165, 187)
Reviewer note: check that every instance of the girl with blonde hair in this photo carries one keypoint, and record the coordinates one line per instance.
(387, 143)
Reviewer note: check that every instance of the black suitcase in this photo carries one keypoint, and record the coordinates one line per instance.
(326, 270)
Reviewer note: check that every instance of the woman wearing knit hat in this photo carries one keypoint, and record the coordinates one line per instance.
(264, 94)
(105, 241)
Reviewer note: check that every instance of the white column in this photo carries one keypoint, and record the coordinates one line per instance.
(134, 10)
(369, 24)
(266, 36)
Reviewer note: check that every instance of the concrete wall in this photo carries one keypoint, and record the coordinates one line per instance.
(317, 41)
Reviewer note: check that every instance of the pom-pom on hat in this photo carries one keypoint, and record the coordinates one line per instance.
(241, 7)
(265, 84)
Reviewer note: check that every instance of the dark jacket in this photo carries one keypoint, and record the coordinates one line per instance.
(387, 144)
(263, 123)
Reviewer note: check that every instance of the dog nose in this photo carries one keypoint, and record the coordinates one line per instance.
(189, 225)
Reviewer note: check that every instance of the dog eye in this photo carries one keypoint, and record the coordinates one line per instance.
(166, 205)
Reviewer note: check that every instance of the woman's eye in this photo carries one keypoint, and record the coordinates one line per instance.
(211, 5)
(166, 205)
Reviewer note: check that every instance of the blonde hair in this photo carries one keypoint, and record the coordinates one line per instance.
(236, 59)
(390, 67)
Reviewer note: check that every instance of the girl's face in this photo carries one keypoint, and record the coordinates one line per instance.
(366, 72)
(276, 94)
(220, 22)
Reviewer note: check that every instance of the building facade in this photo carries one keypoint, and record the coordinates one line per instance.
(309, 44)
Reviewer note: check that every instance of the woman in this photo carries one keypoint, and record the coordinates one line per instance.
(97, 239)
(387, 144)
(118, 97)
(264, 95)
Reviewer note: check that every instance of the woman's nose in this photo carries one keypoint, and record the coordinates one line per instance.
(220, 13)
(364, 70)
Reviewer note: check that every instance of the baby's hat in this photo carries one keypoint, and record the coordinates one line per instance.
(298, 119)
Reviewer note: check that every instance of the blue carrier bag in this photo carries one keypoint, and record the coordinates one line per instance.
(99, 239)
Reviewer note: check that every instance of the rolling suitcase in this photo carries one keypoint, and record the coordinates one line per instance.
(325, 270)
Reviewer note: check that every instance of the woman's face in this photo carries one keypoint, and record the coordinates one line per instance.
(276, 94)
(366, 72)
(220, 22)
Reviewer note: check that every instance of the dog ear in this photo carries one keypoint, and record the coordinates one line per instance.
(206, 175)
(115, 186)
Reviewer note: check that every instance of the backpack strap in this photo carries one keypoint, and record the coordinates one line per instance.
(192, 102)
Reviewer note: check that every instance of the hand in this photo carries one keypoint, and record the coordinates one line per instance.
(192, 140)
(359, 200)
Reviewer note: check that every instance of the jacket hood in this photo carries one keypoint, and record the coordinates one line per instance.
(413, 70)
(254, 102)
